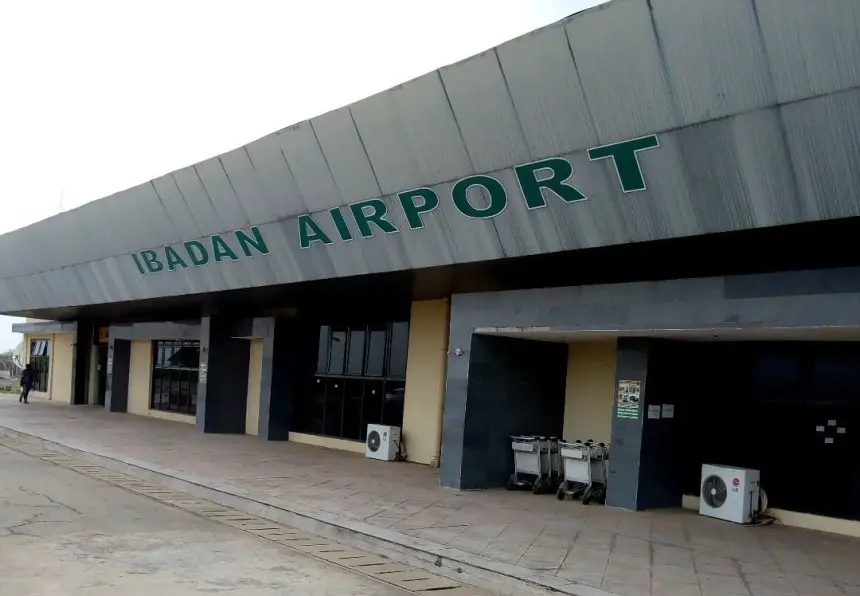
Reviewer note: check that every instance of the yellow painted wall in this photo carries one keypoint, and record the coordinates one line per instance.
(140, 377)
(140, 385)
(27, 339)
(590, 391)
(425, 380)
(61, 368)
(255, 373)
(60, 351)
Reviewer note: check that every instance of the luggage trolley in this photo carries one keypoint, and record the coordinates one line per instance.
(584, 471)
(536, 463)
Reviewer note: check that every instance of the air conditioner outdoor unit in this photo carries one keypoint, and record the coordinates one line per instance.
(383, 442)
(730, 494)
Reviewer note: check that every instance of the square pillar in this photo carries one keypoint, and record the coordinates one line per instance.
(644, 466)
(287, 372)
(513, 386)
(118, 366)
(83, 338)
(223, 379)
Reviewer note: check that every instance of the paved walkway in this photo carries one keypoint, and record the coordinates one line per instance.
(63, 533)
(564, 545)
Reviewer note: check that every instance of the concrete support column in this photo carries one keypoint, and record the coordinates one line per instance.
(425, 380)
(118, 366)
(644, 460)
(81, 354)
(223, 383)
(513, 386)
(286, 372)
(275, 409)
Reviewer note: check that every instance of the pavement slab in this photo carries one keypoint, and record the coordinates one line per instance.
(561, 545)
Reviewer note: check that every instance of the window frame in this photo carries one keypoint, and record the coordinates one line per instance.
(183, 377)
(317, 402)
(40, 363)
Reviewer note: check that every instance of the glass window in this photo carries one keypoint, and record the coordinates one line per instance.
(399, 347)
(392, 403)
(353, 399)
(334, 407)
(318, 407)
(175, 370)
(374, 393)
(40, 361)
(337, 351)
(775, 374)
(359, 380)
(835, 379)
(376, 353)
(355, 357)
(322, 353)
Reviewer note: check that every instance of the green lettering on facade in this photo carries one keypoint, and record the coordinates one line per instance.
(340, 223)
(560, 172)
(222, 250)
(310, 231)
(498, 198)
(173, 259)
(137, 262)
(376, 215)
(150, 260)
(537, 181)
(253, 240)
(197, 252)
(413, 210)
(624, 155)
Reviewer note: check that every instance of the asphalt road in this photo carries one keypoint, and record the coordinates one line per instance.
(64, 534)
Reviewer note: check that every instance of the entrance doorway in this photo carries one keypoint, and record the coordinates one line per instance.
(101, 374)
(789, 409)
(515, 387)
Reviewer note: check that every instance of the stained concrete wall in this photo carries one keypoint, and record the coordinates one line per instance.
(756, 105)
(425, 380)
(589, 392)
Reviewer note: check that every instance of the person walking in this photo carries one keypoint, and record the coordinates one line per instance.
(28, 378)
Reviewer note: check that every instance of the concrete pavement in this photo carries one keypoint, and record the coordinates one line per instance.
(511, 541)
(62, 533)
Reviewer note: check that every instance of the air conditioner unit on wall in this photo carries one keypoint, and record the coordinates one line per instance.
(383, 442)
(730, 494)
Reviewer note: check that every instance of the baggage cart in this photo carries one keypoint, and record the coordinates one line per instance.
(535, 460)
(585, 471)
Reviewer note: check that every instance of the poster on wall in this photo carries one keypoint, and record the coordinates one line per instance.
(629, 393)
(202, 375)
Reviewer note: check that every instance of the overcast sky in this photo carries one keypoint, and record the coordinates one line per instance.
(98, 96)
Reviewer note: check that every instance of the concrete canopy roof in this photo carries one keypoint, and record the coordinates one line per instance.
(752, 106)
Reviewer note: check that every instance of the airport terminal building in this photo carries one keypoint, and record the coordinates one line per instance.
(658, 191)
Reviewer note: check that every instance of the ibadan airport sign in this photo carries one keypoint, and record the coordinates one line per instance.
(371, 216)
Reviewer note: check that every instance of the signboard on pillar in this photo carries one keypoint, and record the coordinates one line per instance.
(628, 396)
